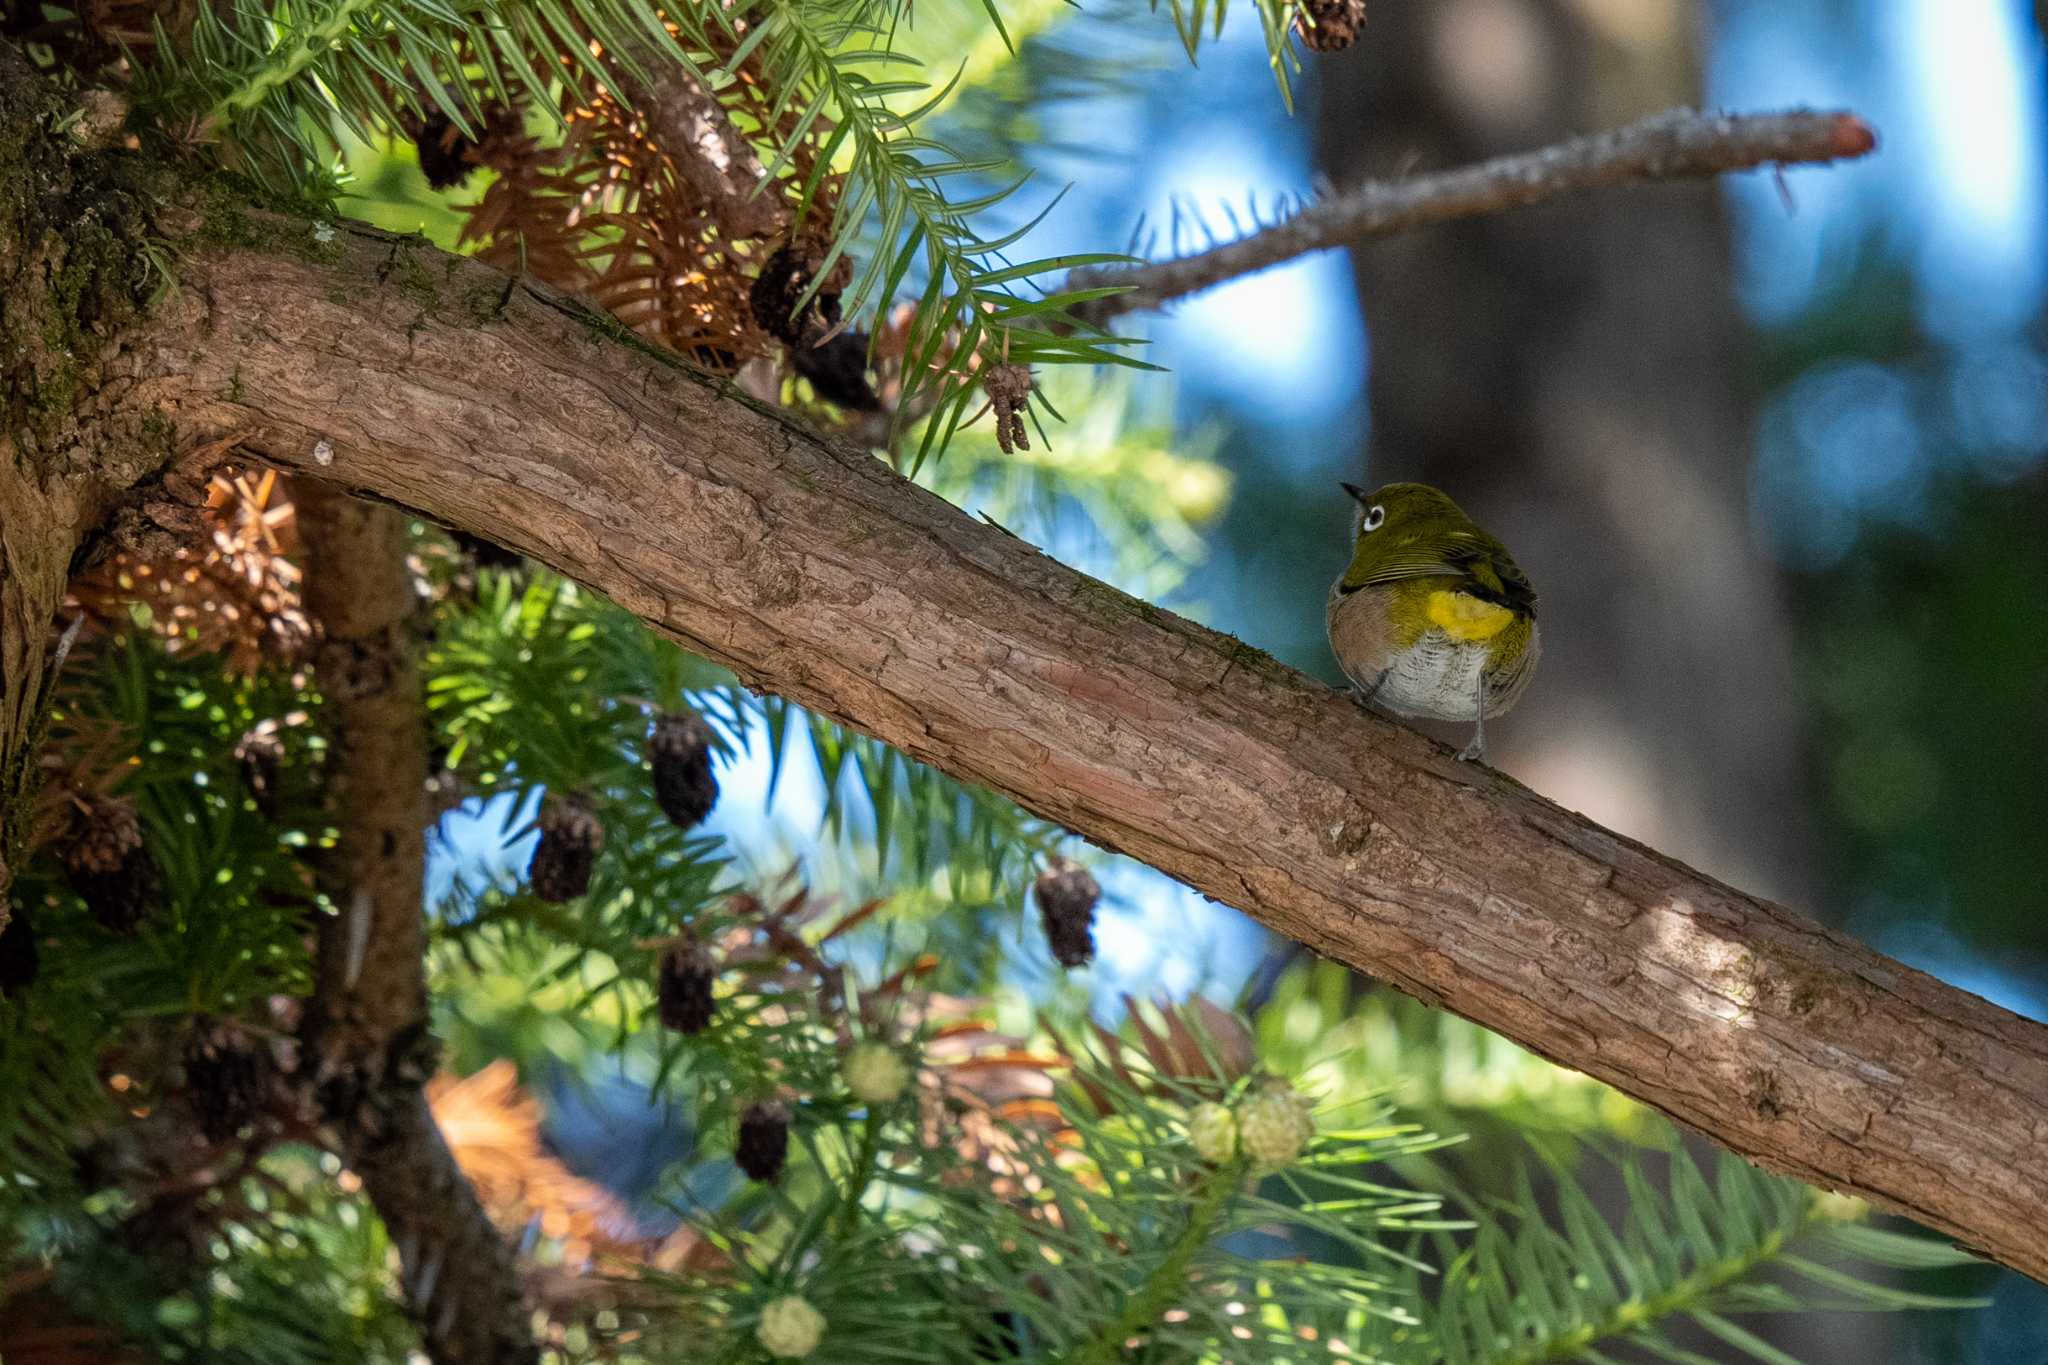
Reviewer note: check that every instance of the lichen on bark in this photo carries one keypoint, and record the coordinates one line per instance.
(77, 265)
(77, 259)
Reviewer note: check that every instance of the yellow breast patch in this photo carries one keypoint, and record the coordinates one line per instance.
(1465, 617)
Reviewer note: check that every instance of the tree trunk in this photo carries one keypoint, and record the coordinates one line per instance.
(367, 1051)
(68, 455)
(1573, 374)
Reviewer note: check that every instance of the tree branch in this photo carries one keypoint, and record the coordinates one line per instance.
(710, 155)
(367, 1044)
(816, 572)
(1677, 145)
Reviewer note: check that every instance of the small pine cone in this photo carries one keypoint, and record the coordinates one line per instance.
(228, 1077)
(1212, 1132)
(261, 756)
(680, 750)
(1274, 1124)
(764, 1140)
(1330, 25)
(19, 958)
(838, 371)
(790, 1328)
(570, 837)
(1008, 387)
(445, 152)
(684, 989)
(110, 867)
(1066, 902)
(781, 282)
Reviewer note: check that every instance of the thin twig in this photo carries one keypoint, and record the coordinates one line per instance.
(1680, 144)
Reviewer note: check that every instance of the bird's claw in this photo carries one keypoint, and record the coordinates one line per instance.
(1364, 695)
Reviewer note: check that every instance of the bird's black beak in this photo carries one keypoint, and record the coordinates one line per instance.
(1355, 491)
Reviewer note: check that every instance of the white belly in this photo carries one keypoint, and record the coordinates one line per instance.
(1439, 679)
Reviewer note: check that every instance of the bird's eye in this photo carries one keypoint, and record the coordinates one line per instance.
(1374, 516)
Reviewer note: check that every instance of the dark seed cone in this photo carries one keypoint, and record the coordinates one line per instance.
(783, 278)
(684, 991)
(680, 750)
(838, 371)
(1330, 25)
(838, 368)
(228, 1076)
(444, 152)
(570, 837)
(261, 755)
(110, 867)
(764, 1140)
(448, 156)
(1066, 902)
(19, 957)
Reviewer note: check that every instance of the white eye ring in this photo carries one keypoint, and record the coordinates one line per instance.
(1374, 517)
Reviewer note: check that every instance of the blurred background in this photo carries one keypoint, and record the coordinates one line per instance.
(1771, 450)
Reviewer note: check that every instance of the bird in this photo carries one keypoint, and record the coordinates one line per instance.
(1432, 617)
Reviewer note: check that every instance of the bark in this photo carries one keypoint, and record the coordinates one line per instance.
(371, 988)
(815, 571)
(708, 152)
(367, 1042)
(70, 453)
(37, 536)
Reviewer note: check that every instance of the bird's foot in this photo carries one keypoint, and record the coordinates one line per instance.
(1364, 695)
(1475, 752)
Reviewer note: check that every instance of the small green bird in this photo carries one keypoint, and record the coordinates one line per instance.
(1432, 618)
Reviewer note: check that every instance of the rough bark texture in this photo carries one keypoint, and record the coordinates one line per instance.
(817, 572)
(367, 1041)
(37, 537)
(70, 277)
(371, 987)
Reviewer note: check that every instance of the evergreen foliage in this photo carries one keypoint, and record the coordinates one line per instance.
(1034, 1192)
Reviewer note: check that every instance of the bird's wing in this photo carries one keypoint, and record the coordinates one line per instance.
(1491, 574)
(1480, 563)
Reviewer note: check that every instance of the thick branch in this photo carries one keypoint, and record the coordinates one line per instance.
(1677, 145)
(367, 1030)
(817, 573)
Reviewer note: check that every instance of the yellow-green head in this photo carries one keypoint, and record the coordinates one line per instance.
(1405, 531)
